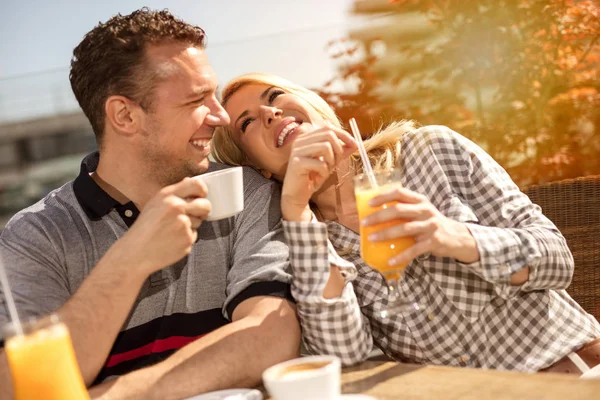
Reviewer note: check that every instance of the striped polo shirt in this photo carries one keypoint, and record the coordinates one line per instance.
(51, 247)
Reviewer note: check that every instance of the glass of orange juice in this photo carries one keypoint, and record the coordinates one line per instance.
(377, 254)
(42, 362)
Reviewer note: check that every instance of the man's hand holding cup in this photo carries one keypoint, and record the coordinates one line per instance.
(167, 227)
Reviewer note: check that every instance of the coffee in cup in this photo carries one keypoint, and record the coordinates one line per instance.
(312, 377)
(291, 371)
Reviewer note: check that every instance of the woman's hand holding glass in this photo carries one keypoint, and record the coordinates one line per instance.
(312, 159)
(432, 231)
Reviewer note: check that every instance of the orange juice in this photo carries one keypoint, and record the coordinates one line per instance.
(377, 254)
(43, 365)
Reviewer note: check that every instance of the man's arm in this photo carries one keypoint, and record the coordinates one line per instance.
(94, 316)
(264, 331)
(97, 311)
(163, 234)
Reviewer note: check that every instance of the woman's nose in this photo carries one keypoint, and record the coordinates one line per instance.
(268, 114)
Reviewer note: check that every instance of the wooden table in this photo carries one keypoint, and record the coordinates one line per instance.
(391, 380)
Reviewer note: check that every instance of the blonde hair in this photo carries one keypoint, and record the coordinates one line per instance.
(383, 147)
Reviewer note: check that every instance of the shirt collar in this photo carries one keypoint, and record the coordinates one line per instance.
(96, 203)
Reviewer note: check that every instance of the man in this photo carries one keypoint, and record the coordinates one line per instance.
(122, 254)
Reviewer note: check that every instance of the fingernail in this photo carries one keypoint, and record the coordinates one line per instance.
(365, 222)
(393, 262)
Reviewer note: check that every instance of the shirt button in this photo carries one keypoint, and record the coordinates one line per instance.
(128, 213)
(431, 316)
(463, 359)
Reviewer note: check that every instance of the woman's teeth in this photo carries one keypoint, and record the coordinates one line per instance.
(286, 131)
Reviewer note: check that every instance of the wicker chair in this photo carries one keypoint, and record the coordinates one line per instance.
(574, 206)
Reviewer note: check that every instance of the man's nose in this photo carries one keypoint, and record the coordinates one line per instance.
(217, 116)
(268, 114)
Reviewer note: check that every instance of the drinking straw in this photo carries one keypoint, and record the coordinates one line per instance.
(363, 153)
(10, 302)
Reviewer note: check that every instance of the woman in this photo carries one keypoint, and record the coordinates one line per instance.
(488, 269)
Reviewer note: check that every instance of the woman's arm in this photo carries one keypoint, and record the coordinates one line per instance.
(514, 242)
(513, 235)
(331, 318)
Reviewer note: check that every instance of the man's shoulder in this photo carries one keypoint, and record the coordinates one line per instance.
(48, 210)
(253, 180)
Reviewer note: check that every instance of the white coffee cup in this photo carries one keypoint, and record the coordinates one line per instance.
(225, 192)
(305, 378)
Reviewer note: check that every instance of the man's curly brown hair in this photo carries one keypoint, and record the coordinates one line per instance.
(111, 60)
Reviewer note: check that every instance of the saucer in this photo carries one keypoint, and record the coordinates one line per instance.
(593, 373)
(256, 395)
(249, 394)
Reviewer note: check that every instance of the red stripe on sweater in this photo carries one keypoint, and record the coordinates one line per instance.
(158, 346)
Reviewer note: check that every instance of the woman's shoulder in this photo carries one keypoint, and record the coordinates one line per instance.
(438, 139)
(436, 145)
(431, 134)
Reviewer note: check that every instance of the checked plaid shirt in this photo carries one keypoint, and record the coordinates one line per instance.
(471, 315)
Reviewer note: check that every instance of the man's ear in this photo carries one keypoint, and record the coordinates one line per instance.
(124, 115)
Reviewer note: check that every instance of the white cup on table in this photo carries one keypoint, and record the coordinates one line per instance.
(225, 192)
(312, 377)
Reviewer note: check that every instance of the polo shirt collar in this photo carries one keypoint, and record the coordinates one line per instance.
(96, 203)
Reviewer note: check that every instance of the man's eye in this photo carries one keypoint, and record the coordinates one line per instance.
(274, 94)
(245, 124)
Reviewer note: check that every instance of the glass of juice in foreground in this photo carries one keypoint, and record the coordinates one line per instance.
(42, 362)
(377, 254)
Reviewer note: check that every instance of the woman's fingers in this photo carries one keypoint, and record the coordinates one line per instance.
(320, 137)
(316, 170)
(398, 211)
(398, 193)
(349, 144)
(411, 253)
(320, 150)
(347, 140)
(342, 143)
(401, 230)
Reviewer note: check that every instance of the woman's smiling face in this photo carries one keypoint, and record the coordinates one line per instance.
(265, 120)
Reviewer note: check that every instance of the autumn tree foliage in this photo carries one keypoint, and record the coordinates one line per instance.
(519, 77)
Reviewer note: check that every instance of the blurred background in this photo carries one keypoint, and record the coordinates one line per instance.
(519, 77)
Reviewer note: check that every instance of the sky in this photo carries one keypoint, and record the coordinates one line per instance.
(285, 37)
